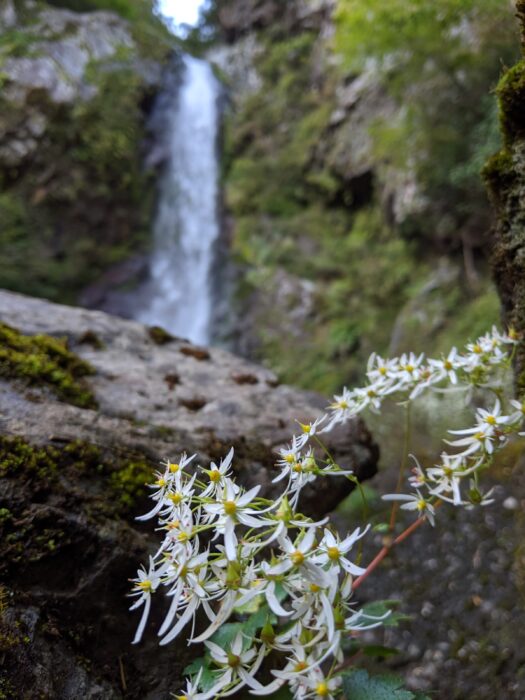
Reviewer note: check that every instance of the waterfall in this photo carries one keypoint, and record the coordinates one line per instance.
(186, 226)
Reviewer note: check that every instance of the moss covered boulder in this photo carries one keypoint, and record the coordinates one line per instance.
(73, 475)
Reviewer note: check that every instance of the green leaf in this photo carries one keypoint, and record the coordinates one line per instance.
(207, 677)
(378, 651)
(226, 633)
(258, 620)
(358, 685)
(381, 607)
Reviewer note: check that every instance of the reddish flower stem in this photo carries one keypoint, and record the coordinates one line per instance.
(386, 549)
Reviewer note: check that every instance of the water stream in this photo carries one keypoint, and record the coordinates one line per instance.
(186, 227)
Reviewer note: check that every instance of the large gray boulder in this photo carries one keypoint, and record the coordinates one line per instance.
(71, 482)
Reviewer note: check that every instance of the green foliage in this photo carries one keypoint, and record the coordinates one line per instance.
(359, 685)
(86, 203)
(294, 213)
(440, 60)
(44, 361)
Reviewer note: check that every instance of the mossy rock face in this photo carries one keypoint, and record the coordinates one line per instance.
(505, 178)
(43, 361)
(66, 555)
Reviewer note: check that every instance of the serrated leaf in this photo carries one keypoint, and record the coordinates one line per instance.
(359, 685)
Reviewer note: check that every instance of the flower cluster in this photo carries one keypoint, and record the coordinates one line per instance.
(227, 550)
(210, 559)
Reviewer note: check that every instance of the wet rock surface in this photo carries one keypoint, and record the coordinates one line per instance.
(71, 482)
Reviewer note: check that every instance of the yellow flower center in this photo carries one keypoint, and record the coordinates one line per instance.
(161, 482)
(491, 420)
(315, 588)
(477, 349)
(341, 404)
(333, 553)
(409, 368)
(479, 436)
(173, 525)
(297, 467)
(175, 498)
(290, 458)
(230, 507)
(447, 365)
(145, 585)
(421, 504)
(300, 666)
(382, 370)
(322, 690)
(297, 557)
(233, 660)
(215, 475)
(183, 537)
(174, 468)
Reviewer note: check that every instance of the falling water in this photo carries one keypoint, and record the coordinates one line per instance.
(186, 226)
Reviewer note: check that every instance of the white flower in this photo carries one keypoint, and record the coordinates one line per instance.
(217, 476)
(232, 510)
(146, 583)
(414, 502)
(297, 557)
(343, 408)
(236, 665)
(332, 550)
(309, 430)
(445, 368)
(477, 440)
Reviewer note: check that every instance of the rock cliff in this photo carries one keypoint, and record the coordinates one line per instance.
(330, 210)
(75, 198)
(505, 178)
(82, 429)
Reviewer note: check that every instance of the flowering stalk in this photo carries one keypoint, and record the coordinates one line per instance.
(226, 550)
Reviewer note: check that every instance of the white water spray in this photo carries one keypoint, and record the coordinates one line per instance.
(186, 226)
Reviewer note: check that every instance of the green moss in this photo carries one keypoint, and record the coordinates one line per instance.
(40, 360)
(159, 335)
(128, 483)
(19, 457)
(124, 477)
(511, 95)
(498, 171)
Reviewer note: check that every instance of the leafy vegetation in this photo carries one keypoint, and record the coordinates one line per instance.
(85, 203)
(441, 61)
(295, 211)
